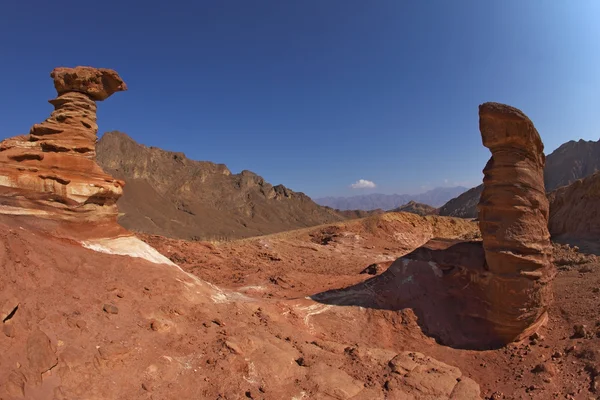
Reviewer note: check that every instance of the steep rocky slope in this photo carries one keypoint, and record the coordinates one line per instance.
(171, 195)
(570, 162)
(575, 211)
(463, 206)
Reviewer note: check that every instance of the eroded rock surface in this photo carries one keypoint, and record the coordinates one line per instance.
(480, 294)
(513, 219)
(52, 172)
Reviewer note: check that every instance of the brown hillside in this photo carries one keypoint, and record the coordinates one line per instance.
(463, 206)
(351, 214)
(575, 213)
(170, 195)
(416, 208)
(570, 162)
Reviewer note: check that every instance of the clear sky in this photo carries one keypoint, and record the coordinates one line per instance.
(315, 94)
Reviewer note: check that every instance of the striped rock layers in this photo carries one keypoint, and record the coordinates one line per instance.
(52, 172)
(513, 218)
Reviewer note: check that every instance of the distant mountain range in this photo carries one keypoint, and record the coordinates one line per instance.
(435, 197)
(573, 160)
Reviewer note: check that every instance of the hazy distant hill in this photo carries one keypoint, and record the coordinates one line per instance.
(573, 160)
(416, 208)
(170, 195)
(435, 197)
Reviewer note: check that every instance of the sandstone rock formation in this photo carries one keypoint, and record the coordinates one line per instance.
(513, 218)
(52, 172)
(476, 294)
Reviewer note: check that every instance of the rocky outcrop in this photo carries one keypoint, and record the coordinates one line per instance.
(474, 294)
(52, 172)
(463, 206)
(513, 219)
(575, 209)
(573, 160)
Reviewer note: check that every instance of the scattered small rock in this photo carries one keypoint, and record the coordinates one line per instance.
(579, 331)
(113, 351)
(234, 347)
(372, 269)
(539, 369)
(110, 309)
(40, 354)
(300, 362)
(557, 354)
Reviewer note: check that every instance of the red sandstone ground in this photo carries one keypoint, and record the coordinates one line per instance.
(554, 364)
(80, 324)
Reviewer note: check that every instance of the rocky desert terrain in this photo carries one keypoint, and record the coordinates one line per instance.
(390, 306)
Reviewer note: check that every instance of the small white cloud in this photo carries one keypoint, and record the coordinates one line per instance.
(446, 181)
(363, 184)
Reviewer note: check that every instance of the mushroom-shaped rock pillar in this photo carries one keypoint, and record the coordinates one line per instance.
(52, 172)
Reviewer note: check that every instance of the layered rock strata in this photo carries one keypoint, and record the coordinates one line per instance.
(480, 294)
(513, 219)
(52, 172)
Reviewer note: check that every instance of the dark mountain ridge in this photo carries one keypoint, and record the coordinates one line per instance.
(168, 194)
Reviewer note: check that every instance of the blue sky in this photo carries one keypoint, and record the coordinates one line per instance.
(315, 94)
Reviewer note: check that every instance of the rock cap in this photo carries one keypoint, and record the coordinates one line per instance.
(97, 83)
(502, 125)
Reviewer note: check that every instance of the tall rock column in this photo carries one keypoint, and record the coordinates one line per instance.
(513, 218)
(52, 172)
